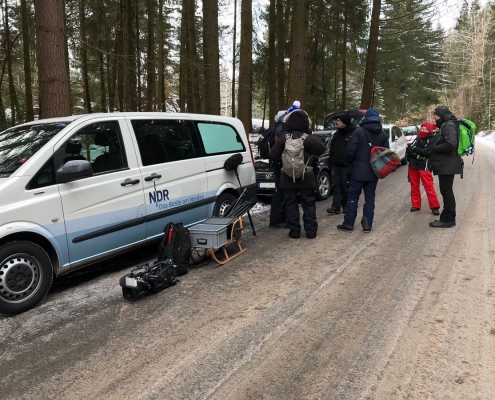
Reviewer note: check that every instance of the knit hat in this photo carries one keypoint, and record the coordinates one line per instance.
(345, 118)
(295, 106)
(370, 117)
(441, 111)
(280, 114)
(430, 126)
(372, 112)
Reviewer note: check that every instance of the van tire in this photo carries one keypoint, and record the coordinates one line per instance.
(224, 201)
(29, 265)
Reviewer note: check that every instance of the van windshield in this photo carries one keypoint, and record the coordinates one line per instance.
(19, 143)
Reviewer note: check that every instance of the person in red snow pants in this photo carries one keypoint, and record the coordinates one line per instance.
(418, 173)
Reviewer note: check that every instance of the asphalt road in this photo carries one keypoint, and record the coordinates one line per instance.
(404, 312)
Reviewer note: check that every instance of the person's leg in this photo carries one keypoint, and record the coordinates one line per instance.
(352, 203)
(446, 189)
(346, 176)
(337, 188)
(427, 179)
(277, 210)
(308, 202)
(414, 176)
(369, 189)
(292, 212)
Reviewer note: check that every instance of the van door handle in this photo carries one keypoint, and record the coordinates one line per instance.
(129, 182)
(152, 177)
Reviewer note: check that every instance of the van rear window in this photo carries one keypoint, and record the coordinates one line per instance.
(20, 143)
(219, 138)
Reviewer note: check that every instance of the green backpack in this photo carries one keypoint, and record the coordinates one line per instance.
(467, 134)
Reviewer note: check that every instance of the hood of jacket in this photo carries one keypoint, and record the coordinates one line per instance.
(373, 127)
(448, 116)
(297, 120)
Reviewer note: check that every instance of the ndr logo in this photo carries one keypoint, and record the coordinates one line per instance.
(158, 196)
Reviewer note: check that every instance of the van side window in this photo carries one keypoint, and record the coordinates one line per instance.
(44, 177)
(100, 144)
(219, 138)
(161, 140)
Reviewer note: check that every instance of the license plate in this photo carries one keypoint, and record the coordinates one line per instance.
(130, 282)
(267, 185)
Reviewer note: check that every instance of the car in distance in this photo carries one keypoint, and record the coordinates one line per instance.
(330, 121)
(410, 132)
(397, 141)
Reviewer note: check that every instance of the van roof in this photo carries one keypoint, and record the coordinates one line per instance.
(72, 118)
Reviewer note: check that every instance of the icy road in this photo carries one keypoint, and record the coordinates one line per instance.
(405, 312)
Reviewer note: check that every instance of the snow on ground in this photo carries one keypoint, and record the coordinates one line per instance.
(487, 137)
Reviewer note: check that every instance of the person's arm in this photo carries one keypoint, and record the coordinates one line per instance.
(449, 133)
(316, 146)
(353, 145)
(277, 150)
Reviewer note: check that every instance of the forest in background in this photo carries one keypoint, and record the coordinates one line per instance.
(189, 56)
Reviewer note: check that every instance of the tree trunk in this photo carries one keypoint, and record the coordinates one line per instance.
(296, 87)
(131, 65)
(14, 105)
(52, 72)
(183, 61)
(101, 62)
(245, 65)
(193, 96)
(344, 59)
(120, 55)
(280, 56)
(272, 57)
(27, 62)
(371, 59)
(234, 46)
(138, 59)
(161, 80)
(150, 54)
(3, 119)
(84, 60)
(211, 55)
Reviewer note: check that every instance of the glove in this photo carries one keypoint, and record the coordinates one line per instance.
(425, 152)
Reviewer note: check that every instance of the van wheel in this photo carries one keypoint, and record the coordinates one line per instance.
(26, 275)
(323, 186)
(224, 201)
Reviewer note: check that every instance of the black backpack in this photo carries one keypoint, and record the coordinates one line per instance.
(176, 246)
(266, 142)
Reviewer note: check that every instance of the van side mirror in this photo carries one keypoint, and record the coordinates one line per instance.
(74, 170)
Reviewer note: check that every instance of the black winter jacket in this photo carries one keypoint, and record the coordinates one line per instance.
(443, 159)
(313, 147)
(338, 146)
(417, 161)
(358, 150)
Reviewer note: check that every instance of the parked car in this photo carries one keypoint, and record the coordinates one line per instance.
(76, 190)
(330, 121)
(397, 141)
(410, 132)
(265, 177)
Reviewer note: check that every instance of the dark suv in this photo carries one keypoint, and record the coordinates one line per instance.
(265, 177)
(330, 121)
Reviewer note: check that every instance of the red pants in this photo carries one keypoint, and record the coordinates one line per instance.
(415, 175)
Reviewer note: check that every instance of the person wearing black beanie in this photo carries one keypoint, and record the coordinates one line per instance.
(444, 161)
(340, 164)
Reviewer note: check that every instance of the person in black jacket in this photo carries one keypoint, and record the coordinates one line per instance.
(362, 175)
(444, 161)
(417, 170)
(277, 209)
(340, 164)
(296, 124)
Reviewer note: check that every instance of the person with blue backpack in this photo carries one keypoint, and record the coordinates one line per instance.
(444, 161)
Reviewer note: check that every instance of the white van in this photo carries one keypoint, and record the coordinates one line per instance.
(397, 141)
(79, 189)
